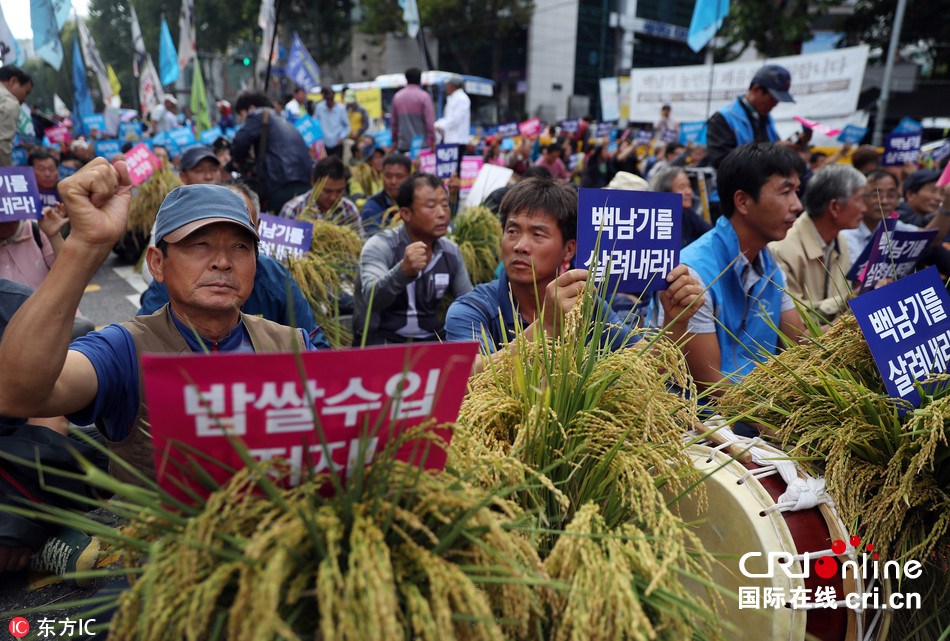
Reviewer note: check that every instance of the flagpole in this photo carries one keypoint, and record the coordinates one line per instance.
(273, 41)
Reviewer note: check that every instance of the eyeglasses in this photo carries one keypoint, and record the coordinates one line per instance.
(877, 194)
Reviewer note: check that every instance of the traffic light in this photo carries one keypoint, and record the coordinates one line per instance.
(246, 61)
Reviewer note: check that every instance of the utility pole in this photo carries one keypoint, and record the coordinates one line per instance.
(877, 138)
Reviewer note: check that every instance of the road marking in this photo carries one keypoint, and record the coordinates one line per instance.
(132, 277)
(91, 288)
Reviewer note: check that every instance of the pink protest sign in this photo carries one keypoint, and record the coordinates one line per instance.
(819, 128)
(59, 135)
(530, 127)
(468, 172)
(427, 162)
(360, 397)
(944, 177)
(142, 163)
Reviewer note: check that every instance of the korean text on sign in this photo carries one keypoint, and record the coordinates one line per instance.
(360, 399)
(901, 148)
(19, 196)
(890, 254)
(141, 162)
(908, 331)
(283, 238)
(639, 237)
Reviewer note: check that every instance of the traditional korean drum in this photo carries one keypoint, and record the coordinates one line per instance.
(760, 502)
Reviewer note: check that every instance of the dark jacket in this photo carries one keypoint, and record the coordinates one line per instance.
(287, 160)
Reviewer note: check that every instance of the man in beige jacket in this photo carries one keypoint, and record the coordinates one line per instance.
(16, 86)
(814, 255)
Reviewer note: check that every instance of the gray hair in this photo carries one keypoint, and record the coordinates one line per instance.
(456, 81)
(241, 188)
(831, 182)
(663, 179)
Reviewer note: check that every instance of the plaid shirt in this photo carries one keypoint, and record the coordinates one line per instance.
(344, 212)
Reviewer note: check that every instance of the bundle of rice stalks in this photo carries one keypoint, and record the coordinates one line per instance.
(581, 427)
(397, 553)
(326, 276)
(477, 232)
(889, 475)
(148, 198)
(367, 180)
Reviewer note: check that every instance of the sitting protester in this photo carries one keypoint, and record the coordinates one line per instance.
(407, 270)
(539, 239)
(675, 180)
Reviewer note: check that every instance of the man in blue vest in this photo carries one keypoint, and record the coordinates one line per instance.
(734, 331)
(747, 118)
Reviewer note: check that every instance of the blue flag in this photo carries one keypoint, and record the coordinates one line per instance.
(82, 101)
(48, 18)
(707, 18)
(301, 67)
(167, 56)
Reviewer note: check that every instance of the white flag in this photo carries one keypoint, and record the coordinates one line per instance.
(94, 61)
(59, 107)
(151, 93)
(266, 20)
(10, 51)
(138, 44)
(186, 33)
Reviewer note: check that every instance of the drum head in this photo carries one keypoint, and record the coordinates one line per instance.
(732, 524)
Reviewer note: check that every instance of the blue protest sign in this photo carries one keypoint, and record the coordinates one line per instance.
(942, 151)
(19, 156)
(574, 161)
(507, 130)
(852, 134)
(415, 147)
(208, 136)
(900, 149)
(640, 237)
(130, 130)
(19, 196)
(669, 135)
(570, 126)
(383, 138)
(66, 172)
(49, 198)
(95, 121)
(908, 126)
(310, 129)
(446, 160)
(182, 136)
(612, 147)
(893, 255)
(230, 131)
(301, 67)
(108, 148)
(604, 129)
(644, 136)
(690, 131)
(507, 144)
(908, 331)
(283, 238)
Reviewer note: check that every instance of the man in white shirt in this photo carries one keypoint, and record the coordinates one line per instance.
(455, 122)
(297, 106)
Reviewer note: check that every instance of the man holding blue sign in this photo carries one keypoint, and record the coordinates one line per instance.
(734, 330)
(539, 221)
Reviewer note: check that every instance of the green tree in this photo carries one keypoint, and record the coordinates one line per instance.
(464, 25)
(776, 28)
(923, 26)
(324, 26)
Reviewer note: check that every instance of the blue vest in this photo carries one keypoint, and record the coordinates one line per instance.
(743, 328)
(739, 122)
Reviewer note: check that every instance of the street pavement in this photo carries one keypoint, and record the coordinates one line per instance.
(111, 297)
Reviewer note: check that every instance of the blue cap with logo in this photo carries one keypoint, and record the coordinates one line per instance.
(776, 79)
(191, 207)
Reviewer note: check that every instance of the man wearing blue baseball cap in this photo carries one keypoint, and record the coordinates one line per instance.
(747, 118)
(205, 254)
